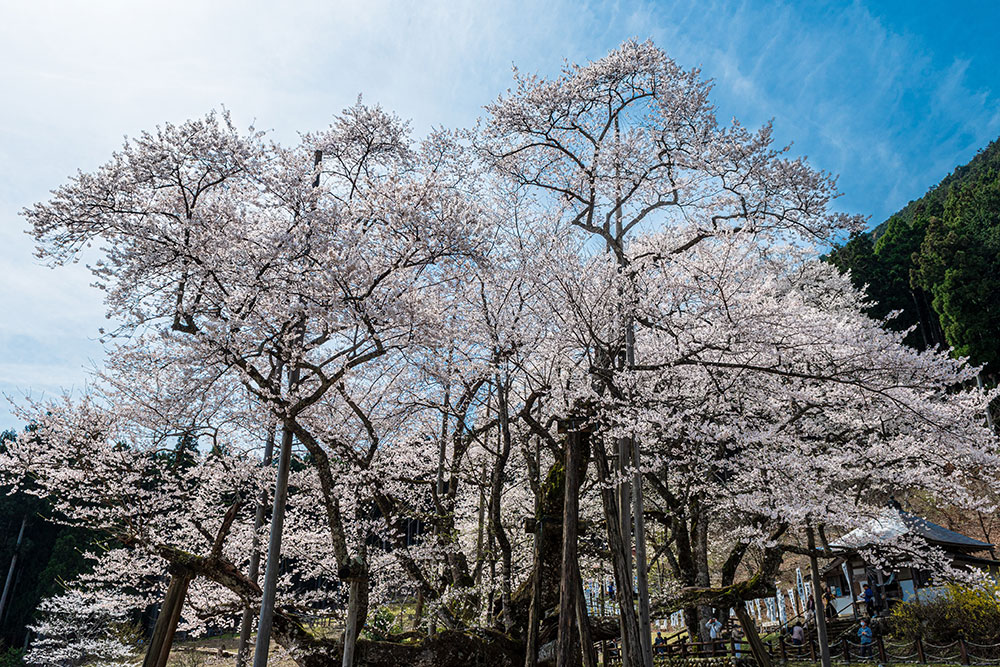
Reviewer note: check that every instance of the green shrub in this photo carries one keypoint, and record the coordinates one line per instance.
(12, 657)
(971, 612)
(382, 625)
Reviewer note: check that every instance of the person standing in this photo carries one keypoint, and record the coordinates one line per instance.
(829, 603)
(714, 632)
(868, 596)
(865, 637)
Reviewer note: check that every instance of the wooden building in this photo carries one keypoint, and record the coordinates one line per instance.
(846, 574)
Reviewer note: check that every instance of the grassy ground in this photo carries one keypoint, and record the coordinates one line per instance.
(216, 652)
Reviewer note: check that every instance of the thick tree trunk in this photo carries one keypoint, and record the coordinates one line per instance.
(418, 611)
(625, 530)
(625, 499)
(480, 528)
(642, 579)
(685, 569)
(443, 442)
(546, 573)
(568, 571)
(357, 608)
(535, 607)
(620, 551)
(492, 562)
(166, 622)
(506, 585)
(691, 623)
(702, 572)
(496, 524)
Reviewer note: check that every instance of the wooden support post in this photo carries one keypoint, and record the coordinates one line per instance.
(920, 651)
(246, 623)
(881, 649)
(618, 547)
(847, 649)
(166, 622)
(782, 648)
(757, 648)
(583, 623)
(265, 620)
(8, 584)
(818, 604)
(963, 651)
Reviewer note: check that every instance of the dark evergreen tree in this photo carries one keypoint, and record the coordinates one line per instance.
(938, 261)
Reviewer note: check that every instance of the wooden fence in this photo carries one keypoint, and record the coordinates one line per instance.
(842, 651)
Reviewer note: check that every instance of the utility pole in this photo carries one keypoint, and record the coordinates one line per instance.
(254, 571)
(266, 620)
(632, 445)
(641, 575)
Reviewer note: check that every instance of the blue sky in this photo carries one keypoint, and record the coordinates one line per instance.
(890, 95)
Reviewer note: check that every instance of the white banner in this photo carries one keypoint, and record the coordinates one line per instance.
(779, 601)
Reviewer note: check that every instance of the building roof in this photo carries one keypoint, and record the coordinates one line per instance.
(894, 522)
(976, 560)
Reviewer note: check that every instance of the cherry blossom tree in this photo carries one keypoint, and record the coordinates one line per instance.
(170, 507)
(603, 308)
(630, 143)
(251, 262)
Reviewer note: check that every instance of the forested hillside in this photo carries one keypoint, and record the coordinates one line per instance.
(938, 261)
(47, 555)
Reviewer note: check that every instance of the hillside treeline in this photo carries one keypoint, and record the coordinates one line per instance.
(937, 262)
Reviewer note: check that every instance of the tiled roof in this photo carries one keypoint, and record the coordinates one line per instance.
(895, 522)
